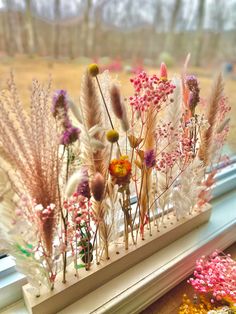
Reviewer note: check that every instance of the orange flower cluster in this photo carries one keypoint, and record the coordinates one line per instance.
(189, 307)
(120, 169)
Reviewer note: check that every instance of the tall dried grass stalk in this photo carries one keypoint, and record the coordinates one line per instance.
(149, 143)
(29, 141)
(94, 115)
(205, 150)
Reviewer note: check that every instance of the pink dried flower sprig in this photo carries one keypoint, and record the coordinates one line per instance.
(78, 208)
(224, 108)
(150, 91)
(166, 131)
(78, 204)
(216, 275)
(167, 160)
(181, 149)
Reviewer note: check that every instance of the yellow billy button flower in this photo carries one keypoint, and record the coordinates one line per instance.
(112, 136)
(93, 69)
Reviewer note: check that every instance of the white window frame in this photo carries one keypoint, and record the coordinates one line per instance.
(11, 281)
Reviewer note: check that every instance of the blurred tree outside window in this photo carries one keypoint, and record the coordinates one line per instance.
(62, 36)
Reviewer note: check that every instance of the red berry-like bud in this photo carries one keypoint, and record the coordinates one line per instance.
(163, 72)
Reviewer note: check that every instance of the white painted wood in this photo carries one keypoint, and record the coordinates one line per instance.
(176, 261)
(65, 294)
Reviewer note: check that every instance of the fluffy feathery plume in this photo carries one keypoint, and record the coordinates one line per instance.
(75, 110)
(118, 107)
(93, 115)
(185, 197)
(98, 187)
(77, 182)
(29, 140)
(125, 122)
(18, 235)
(213, 106)
(116, 103)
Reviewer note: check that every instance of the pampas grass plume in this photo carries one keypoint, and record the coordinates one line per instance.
(75, 179)
(118, 107)
(75, 111)
(125, 122)
(116, 103)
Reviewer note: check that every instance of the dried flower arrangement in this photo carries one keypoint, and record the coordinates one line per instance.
(215, 282)
(68, 176)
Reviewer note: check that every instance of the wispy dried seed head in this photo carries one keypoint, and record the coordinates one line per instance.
(98, 186)
(117, 106)
(125, 122)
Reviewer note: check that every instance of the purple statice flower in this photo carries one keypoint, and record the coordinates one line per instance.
(194, 98)
(149, 158)
(83, 187)
(59, 103)
(60, 111)
(70, 135)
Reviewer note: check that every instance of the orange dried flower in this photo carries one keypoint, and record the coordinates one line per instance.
(120, 169)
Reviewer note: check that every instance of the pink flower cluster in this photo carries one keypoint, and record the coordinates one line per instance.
(150, 91)
(216, 275)
(78, 208)
(44, 213)
(178, 146)
(224, 108)
(166, 131)
(167, 160)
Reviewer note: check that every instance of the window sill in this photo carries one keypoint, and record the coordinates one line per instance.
(147, 281)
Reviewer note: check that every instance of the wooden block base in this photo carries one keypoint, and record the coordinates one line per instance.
(76, 287)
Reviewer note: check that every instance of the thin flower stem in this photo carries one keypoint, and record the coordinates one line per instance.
(138, 200)
(65, 221)
(148, 211)
(103, 98)
(107, 111)
(173, 181)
